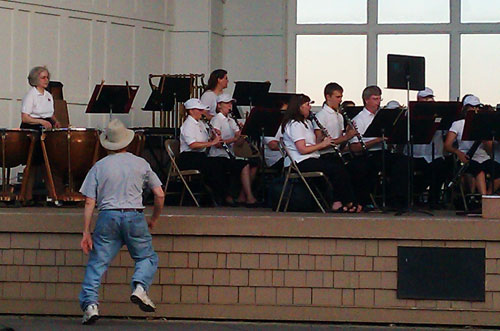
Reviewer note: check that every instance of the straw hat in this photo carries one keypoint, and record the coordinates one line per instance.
(116, 136)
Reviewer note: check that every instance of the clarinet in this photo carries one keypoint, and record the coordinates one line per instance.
(350, 123)
(326, 134)
(224, 145)
(470, 153)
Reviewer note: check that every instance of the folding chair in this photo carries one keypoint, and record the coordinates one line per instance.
(185, 176)
(293, 172)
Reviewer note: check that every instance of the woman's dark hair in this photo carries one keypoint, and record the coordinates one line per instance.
(293, 111)
(214, 78)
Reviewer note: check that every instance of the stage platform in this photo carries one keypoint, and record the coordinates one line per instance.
(250, 264)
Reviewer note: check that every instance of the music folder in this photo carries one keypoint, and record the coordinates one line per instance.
(385, 123)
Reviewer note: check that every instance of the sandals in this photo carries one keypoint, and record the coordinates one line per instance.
(352, 208)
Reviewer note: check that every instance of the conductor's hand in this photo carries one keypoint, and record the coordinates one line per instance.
(46, 124)
(462, 157)
(151, 223)
(86, 243)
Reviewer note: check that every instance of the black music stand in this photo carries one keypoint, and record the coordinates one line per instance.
(385, 122)
(170, 91)
(111, 99)
(407, 73)
(483, 125)
(247, 93)
(352, 111)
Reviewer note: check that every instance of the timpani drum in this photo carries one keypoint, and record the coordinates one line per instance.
(16, 149)
(69, 153)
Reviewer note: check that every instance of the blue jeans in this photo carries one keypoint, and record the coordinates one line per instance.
(113, 229)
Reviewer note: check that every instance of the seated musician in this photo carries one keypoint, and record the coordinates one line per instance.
(367, 164)
(194, 141)
(37, 112)
(216, 84)
(477, 165)
(431, 165)
(333, 122)
(240, 170)
(493, 165)
(272, 154)
(300, 140)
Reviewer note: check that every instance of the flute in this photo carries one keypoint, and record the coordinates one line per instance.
(223, 144)
(335, 147)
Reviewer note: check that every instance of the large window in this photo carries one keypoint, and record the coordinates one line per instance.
(434, 48)
(343, 40)
(321, 59)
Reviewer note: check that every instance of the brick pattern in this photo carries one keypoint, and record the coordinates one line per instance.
(234, 270)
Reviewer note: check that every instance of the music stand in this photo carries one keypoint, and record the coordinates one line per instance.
(111, 99)
(407, 72)
(170, 91)
(352, 111)
(246, 93)
(483, 125)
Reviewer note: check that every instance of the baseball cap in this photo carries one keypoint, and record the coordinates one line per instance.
(427, 92)
(224, 97)
(472, 100)
(194, 103)
(393, 104)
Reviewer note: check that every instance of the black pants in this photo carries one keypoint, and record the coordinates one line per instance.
(432, 175)
(364, 171)
(341, 179)
(333, 171)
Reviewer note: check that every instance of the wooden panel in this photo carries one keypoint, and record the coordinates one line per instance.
(75, 59)
(20, 61)
(5, 51)
(119, 68)
(44, 41)
(97, 67)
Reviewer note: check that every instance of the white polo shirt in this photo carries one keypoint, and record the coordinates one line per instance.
(295, 131)
(333, 122)
(193, 131)
(362, 122)
(271, 156)
(38, 105)
(425, 150)
(458, 127)
(209, 98)
(228, 129)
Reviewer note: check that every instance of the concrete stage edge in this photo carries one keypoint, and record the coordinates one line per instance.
(246, 264)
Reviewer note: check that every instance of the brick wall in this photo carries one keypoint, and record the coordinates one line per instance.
(224, 274)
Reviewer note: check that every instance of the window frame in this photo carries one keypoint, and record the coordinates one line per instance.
(372, 29)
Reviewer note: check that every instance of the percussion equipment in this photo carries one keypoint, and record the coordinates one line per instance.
(69, 154)
(16, 149)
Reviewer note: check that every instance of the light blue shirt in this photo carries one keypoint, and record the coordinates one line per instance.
(117, 181)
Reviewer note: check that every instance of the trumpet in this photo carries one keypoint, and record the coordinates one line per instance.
(335, 147)
(223, 144)
(350, 123)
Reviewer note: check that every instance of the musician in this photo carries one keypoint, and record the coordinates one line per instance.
(333, 121)
(365, 166)
(300, 140)
(477, 165)
(37, 109)
(429, 159)
(240, 169)
(348, 103)
(194, 141)
(217, 82)
(37, 112)
(272, 154)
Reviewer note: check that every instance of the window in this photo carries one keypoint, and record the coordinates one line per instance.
(435, 49)
(331, 11)
(480, 72)
(480, 11)
(422, 11)
(324, 59)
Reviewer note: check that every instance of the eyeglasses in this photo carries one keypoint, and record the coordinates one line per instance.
(44, 77)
